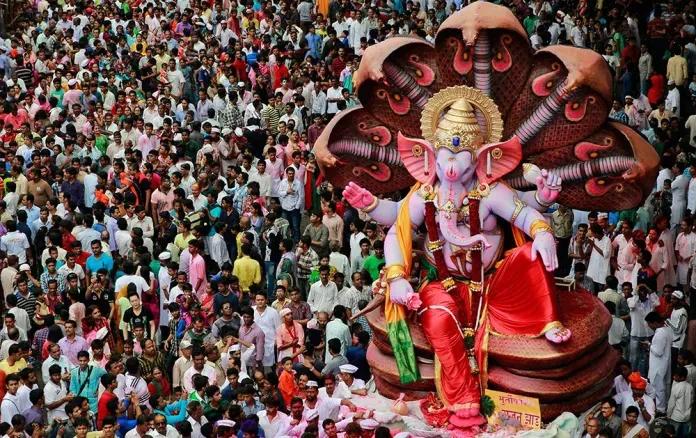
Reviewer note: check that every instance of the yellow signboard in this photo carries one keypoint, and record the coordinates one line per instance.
(512, 410)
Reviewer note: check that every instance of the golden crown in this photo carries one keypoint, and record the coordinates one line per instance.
(449, 119)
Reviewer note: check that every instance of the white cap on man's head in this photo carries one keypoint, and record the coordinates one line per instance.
(348, 369)
(369, 424)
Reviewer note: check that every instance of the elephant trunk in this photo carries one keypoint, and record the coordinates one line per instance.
(450, 232)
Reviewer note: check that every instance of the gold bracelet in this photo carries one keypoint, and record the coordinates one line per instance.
(392, 272)
(539, 226)
(372, 206)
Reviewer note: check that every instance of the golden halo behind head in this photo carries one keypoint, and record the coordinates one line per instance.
(450, 114)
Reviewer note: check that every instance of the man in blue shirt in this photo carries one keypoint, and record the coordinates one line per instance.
(357, 356)
(84, 380)
(98, 260)
(313, 43)
(72, 188)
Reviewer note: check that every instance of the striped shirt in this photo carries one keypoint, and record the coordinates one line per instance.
(272, 116)
(138, 385)
(27, 303)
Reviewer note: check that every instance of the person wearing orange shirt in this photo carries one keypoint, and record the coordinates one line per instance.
(286, 382)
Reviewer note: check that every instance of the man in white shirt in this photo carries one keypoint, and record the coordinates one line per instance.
(673, 99)
(349, 382)
(338, 329)
(140, 283)
(678, 321)
(333, 96)
(200, 201)
(56, 394)
(268, 320)
(639, 306)
(196, 418)
(10, 405)
(684, 249)
(141, 428)
(659, 366)
(600, 253)
(142, 221)
(339, 260)
(271, 420)
(15, 243)
(322, 294)
(217, 246)
(264, 180)
(681, 400)
(578, 34)
(56, 357)
(198, 367)
(636, 397)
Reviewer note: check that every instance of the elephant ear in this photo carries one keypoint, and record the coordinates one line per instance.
(496, 160)
(418, 156)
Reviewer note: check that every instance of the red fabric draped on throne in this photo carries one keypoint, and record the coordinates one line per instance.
(520, 301)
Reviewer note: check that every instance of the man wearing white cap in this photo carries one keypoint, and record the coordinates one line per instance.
(349, 382)
(678, 321)
(73, 95)
(325, 407)
(673, 99)
(369, 424)
(331, 388)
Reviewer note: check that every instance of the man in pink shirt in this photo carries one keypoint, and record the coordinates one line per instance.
(163, 198)
(73, 95)
(274, 166)
(197, 275)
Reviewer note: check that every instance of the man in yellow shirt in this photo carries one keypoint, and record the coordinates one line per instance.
(677, 68)
(247, 269)
(13, 363)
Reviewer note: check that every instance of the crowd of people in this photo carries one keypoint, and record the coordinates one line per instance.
(173, 263)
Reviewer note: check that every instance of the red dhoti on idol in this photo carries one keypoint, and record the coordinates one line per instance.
(519, 300)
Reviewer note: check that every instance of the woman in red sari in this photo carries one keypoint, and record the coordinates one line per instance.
(207, 304)
(159, 385)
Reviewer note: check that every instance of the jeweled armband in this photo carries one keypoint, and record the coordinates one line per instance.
(394, 272)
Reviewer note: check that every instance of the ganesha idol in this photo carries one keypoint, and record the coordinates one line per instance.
(487, 135)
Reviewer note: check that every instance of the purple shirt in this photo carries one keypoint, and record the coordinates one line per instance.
(34, 415)
(74, 190)
(71, 348)
(253, 335)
